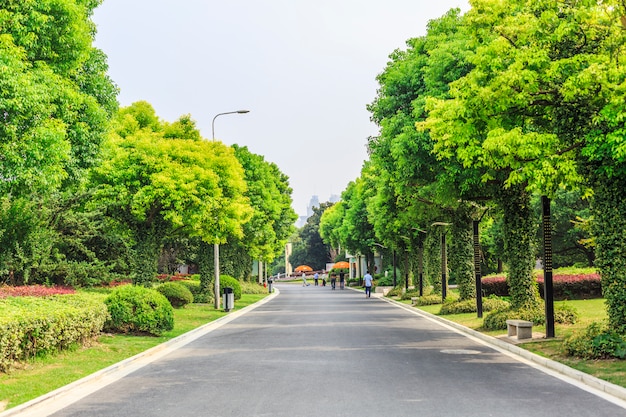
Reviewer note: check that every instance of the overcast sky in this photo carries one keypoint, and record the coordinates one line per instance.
(305, 70)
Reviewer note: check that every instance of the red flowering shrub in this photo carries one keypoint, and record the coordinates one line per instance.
(565, 286)
(33, 291)
(495, 285)
(176, 277)
(574, 286)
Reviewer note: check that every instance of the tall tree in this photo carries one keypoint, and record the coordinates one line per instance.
(157, 186)
(55, 94)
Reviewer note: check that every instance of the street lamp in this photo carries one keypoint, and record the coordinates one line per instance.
(216, 246)
(221, 114)
(444, 261)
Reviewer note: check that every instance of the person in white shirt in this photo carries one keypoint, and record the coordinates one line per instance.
(368, 284)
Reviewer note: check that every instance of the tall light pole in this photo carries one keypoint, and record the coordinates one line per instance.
(216, 246)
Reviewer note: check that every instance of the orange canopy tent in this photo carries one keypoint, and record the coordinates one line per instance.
(341, 264)
(303, 268)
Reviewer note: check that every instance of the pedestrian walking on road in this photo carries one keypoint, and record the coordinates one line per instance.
(333, 280)
(316, 277)
(342, 280)
(304, 283)
(324, 279)
(368, 284)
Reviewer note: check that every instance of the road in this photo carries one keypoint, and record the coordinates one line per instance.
(312, 351)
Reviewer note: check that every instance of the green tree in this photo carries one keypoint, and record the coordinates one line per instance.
(158, 186)
(543, 108)
(309, 248)
(55, 94)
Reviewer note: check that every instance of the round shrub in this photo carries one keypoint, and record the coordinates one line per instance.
(596, 342)
(199, 295)
(177, 294)
(136, 309)
(228, 281)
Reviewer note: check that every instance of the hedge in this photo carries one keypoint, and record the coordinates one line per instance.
(565, 286)
(32, 326)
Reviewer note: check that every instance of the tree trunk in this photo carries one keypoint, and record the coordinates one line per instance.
(609, 210)
(519, 247)
(461, 256)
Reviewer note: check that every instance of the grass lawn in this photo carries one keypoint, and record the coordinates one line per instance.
(613, 371)
(42, 375)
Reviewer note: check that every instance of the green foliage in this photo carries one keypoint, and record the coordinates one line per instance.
(597, 341)
(135, 309)
(310, 249)
(565, 314)
(407, 295)
(519, 247)
(461, 252)
(177, 294)
(496, 320)
(252, 288)
(199, 295)
(385, 281)
(469, 306)
(428, 300)
(228, 281)
(609, 210)
(269, 195)
(32, 326)
(54, 92)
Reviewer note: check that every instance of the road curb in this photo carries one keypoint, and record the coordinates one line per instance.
(557, 367)
(61, 397)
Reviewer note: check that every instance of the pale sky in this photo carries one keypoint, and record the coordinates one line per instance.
(305, 70)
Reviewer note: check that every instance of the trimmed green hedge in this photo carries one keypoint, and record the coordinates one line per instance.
(31, 326)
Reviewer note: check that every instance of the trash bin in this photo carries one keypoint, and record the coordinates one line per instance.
(269, 285)
(229, 298)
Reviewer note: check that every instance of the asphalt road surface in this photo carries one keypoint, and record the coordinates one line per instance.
(313, 351)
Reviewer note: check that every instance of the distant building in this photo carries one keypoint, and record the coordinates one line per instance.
(314, 202)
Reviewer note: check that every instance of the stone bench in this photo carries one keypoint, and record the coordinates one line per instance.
(521, 328)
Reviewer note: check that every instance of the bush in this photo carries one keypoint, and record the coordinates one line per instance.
(136, 309)
(199, 296)
(32, 326)
(495, 285)
(410, 294)
(384, 281)
(469, 306)
(497, 319)
(568, 284)
(428, 300)
(228, 281)
(574, 286)
(177, 294)
(596, 342)
(252, 288)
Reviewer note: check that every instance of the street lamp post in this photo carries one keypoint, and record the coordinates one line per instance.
(216, 246)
